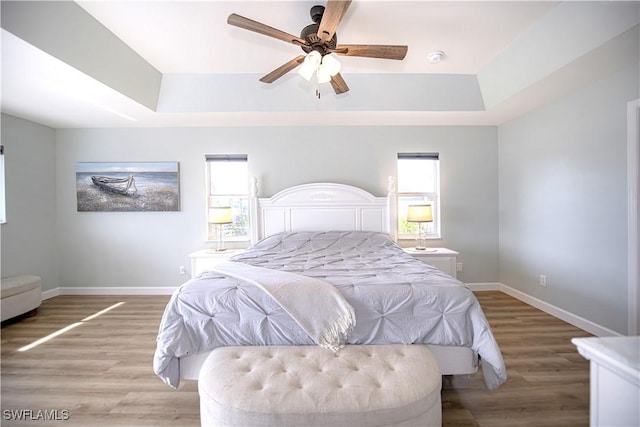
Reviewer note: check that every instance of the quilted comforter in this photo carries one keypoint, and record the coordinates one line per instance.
(396, 298)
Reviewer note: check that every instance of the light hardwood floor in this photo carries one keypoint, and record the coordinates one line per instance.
(100, 371)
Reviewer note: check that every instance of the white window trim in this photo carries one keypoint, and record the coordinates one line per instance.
(433, 198)
(210, 158)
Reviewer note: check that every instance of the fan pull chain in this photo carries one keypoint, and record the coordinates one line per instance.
(317, 94)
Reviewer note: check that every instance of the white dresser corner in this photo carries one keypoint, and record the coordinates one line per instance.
(614, 379)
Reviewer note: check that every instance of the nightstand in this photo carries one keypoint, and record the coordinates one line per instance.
(207, 258)
(441, 258)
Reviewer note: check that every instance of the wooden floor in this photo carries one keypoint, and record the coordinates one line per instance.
(99, 373)
(548, 381)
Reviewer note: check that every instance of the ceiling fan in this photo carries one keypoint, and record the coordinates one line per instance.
(319, 42)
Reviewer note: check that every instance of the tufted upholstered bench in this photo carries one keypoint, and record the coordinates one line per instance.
(376, 385)
(20, 294)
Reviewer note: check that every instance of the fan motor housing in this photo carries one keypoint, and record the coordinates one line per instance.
(310, 34)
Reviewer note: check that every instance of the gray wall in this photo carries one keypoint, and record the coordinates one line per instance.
(563, 202)
(145, 249)
(29, 235)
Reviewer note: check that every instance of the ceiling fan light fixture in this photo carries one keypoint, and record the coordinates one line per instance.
(325, 66)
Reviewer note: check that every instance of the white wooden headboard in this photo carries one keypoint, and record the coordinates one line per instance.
(322, 207)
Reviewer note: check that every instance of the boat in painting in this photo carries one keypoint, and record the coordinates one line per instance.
(116, 185)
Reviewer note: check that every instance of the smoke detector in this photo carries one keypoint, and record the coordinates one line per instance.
(435, 57)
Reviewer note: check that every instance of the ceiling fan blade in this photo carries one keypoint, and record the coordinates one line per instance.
(333, 13)
(372, 51)
(282, 70)
(338, 84)
(258, 27)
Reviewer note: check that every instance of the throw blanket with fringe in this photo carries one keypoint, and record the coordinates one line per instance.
(317, 306)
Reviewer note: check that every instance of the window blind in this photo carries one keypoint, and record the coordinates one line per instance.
(226, 157)
(422, 156)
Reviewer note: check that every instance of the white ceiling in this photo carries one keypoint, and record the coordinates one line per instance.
(192, 38)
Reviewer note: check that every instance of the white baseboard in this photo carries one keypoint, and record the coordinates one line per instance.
(577, 321)
(491, 286)
(50, 293)
(115, 290)
(580, 322)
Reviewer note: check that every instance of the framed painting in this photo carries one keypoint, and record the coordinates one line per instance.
(127, 186)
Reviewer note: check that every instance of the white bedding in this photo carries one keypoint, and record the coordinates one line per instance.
(396, 298)
(327, 318)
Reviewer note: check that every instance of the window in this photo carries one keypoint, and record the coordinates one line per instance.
(418, 183)
(228, 185)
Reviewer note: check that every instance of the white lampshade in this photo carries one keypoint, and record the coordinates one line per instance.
(306, 70)
(331, 64)
(310, 64)
(220, 215)
(313, 58)
(323, 74)
(328, 68)
(419, 213)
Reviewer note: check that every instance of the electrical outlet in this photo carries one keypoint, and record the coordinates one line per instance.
(543, 280)
(458, 267)
(182, 270)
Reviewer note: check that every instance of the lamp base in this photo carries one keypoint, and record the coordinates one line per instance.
(216, 251)
(423, 249)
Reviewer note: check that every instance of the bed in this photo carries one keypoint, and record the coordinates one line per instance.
(344, 236)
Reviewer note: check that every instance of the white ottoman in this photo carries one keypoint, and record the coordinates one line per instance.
(19, 295)
(377, 385)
